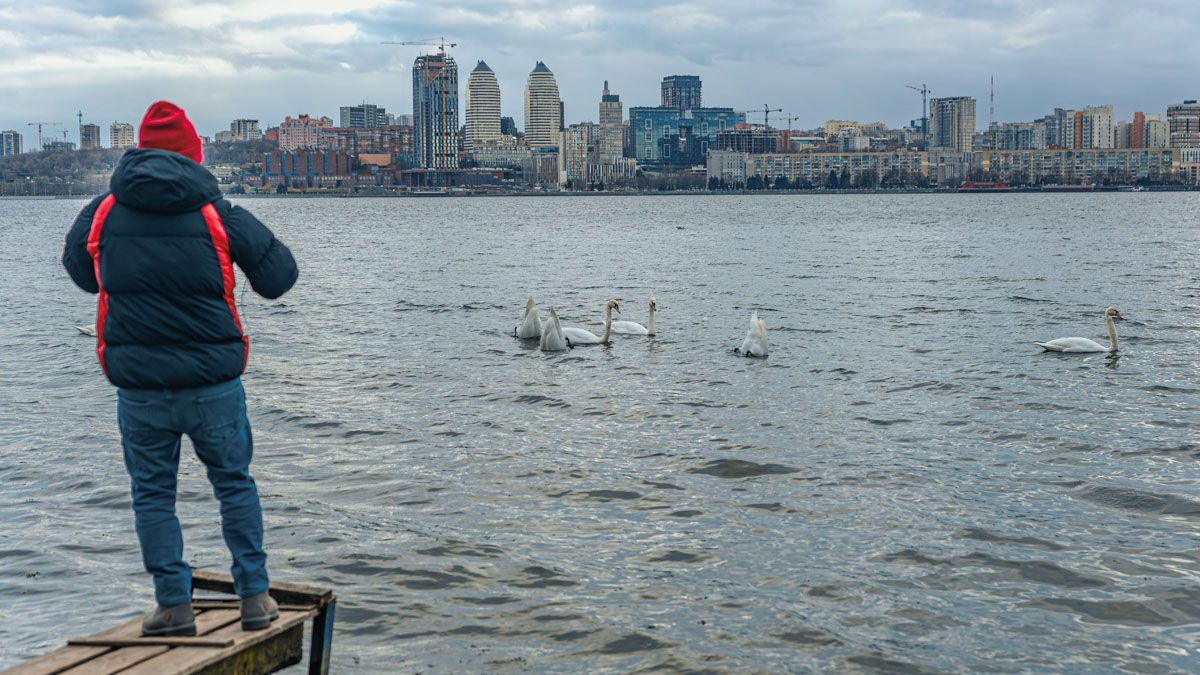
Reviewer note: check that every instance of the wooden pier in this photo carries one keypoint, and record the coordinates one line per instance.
(220, 644)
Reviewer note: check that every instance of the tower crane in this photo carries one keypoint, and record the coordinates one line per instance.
(439, 42)
(767, 110)
(766, 113)
(924, 91)
(790, 118)
(39, 126)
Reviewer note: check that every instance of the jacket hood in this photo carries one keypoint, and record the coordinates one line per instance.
(162, 181)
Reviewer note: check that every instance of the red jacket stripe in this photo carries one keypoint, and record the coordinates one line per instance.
(220, 240)
(93, 249)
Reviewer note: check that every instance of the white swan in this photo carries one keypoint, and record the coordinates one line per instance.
(635, 328)
(531, 326)
(579, 336)
(89, 331)
(1078, 345)
(755, 343)
(552, 337)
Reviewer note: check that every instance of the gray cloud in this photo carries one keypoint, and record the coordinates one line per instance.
(818, 59)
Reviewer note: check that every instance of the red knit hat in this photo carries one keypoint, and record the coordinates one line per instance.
(166, 127)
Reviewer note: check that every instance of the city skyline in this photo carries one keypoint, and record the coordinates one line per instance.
(268, 60)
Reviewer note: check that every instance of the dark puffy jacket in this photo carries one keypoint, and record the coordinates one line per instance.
(166, 317)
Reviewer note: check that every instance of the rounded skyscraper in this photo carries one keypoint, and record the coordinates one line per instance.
(543, 111)
(483, 107)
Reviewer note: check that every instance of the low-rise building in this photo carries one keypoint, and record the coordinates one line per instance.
(306, 168)
(1079, 166)
(814, 168)
(727, 167)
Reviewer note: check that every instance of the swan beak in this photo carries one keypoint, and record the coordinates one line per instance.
(1118, 314)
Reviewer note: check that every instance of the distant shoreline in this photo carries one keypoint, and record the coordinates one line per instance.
(665, 193)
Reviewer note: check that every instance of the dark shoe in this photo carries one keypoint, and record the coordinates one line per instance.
(172, 621)
(258, 611)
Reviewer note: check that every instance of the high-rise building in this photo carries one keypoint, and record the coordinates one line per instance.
(483, 107)
(1158, 132)
(120, 135)
(574, 152)
(1094, 127)
(612, 121)
(681, 92)
(301, 132)
(246, 130)
(508, 126)
(1184, 122)
(435, 111)
(1060, 128)
(1137, 131)
(363, 116)
(11, 143)
(89, 136)
(1122, 135)
(543, 114)
(1018, 136)
(952, 123)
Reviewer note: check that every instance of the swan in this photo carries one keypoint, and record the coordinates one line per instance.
(578, 336)
(755, 343)
(531, 326)
(552, 337)
(1078, 345)
(635, 328)
(89, 331)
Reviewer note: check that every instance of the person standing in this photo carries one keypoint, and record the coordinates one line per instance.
(159, 250)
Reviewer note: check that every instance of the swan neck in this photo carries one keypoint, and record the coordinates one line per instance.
(1112, 333)
(650, 322)
(607, 324)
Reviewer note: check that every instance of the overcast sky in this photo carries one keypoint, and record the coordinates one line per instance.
(816, 59)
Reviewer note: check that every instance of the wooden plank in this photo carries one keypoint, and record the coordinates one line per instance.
(65, 658)
(116, 660)
(236, 605)
(188, 660)
(298, 594)
(151, 640)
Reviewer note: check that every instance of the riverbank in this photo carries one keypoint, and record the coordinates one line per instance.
(664, 193)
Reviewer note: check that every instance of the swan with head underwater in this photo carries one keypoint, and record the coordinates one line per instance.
(531, 325)
(578, 336)
(755, 343)
(1078, 345)
(635, 328)
(552, 336)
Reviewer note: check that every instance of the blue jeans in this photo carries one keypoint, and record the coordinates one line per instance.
(214, 417)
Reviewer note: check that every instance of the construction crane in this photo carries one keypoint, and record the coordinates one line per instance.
(924, 91)
(39, 126)
(790, 118)
(439, 42)
(766, 113)
(767, 110)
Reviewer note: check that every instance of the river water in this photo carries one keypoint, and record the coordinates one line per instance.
(905, 483)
